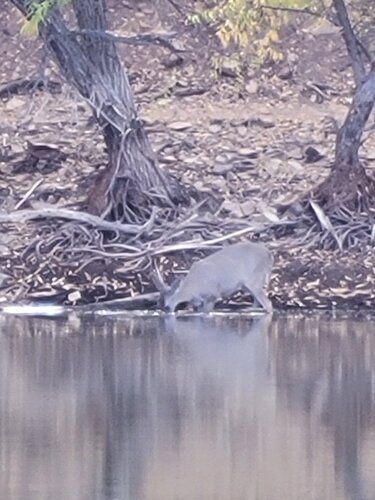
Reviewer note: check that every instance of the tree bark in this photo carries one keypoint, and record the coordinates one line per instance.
(352, 45)
(348, 182)
(133, 182)
(349, 136)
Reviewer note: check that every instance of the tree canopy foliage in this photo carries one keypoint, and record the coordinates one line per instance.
(253, 25)
(36, 13)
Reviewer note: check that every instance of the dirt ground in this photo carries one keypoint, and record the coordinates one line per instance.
(253, 141)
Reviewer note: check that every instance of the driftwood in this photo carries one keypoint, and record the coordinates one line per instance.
(141, 302)
(63, 213)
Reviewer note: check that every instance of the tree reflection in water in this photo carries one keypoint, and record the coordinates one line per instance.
(194, 408)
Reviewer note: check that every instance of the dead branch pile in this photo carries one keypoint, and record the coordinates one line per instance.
(72, 257)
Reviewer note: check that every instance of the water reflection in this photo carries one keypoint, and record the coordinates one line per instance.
(198, 408)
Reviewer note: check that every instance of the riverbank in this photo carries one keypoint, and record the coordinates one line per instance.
(248, 145)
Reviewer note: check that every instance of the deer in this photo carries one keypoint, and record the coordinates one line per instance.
(244, 266)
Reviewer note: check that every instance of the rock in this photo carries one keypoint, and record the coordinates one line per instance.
(4, 251)
(172, 61)
(168, 159)
(3, 279)
(295, 152)
(218, 183)
(231, 176)
(249, 152)
(14, 103)
(180, 126)
(293, 58)
(312, 155)
(215, 128)
(247, 207)
(224, 158)
(251, 73)
(295, 167)
(274, 165)
(370, 151)
(222, 168)
(285, 73)
(269, 212)
(190, 161)
(244, 175)
(243, 166)
(232, 207)
(258, 122)
(242, 131)
(230, 69)
(17, 148)
(252, 87)
(182, 83)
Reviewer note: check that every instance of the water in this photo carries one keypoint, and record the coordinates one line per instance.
(199, 409)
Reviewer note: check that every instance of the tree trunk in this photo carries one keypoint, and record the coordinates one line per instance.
(133, 182)
(348, 182)
(355, 50)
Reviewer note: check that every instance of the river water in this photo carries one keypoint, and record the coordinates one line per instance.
(196, 408)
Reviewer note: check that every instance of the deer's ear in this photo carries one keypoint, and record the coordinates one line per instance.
(175, 285)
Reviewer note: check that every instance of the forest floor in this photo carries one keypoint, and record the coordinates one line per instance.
(254, 140)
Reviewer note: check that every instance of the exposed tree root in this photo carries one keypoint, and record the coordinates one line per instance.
(76, 258)
(354, 190)
(339, 213)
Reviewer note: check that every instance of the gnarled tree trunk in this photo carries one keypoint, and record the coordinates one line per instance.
(348, 183)
(133, 182)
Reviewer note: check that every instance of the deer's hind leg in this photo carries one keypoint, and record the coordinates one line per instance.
(261, 298)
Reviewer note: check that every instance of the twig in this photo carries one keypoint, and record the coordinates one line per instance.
(292, 9)
(28, 85)
(325, 222)
(176, 6)
(112, 255)
(147, 39)
(202, 244)
(28, 194)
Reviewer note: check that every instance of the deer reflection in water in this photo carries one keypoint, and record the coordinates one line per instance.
(199, 407)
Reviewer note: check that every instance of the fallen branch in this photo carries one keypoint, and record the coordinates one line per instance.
(147, 39)
(29, 193)
(63, 213)
(140, 301)
(292, 9)
(26, 85)
(199, 244)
